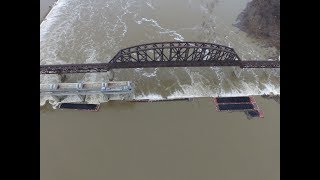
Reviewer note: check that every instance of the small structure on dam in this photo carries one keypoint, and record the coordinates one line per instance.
(112, 90)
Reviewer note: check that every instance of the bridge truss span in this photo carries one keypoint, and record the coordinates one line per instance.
(176, 51)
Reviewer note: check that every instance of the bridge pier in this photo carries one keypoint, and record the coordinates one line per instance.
(110, 74)
(56, 98)
(106, 97)
(81, 97)
(62, 77)
(237, 73)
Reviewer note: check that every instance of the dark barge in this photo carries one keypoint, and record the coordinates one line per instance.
(79, 106)
(246, 104)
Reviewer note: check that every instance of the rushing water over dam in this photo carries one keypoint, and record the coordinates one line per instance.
(81, 31)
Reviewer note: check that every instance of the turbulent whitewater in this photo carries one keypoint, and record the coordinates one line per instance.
(92, 31)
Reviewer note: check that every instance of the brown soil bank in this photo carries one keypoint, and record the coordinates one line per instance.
(261, 20)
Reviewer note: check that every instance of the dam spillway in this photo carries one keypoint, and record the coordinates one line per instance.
(112, 90)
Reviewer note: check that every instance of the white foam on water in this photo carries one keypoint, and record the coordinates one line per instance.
(190, 91)
(162, 30)
(150, 5)
(204, 9)
(151, 74)
(71, 98)
(138, 69)
(48, 99)
(51, 17)
(252, 89)
(125, 9)
(249, 89)
(96, 98)
(146, 72)
(202, 87)
(151, 96)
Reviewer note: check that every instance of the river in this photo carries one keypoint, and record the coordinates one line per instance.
(163, 140)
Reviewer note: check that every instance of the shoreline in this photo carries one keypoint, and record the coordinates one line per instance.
(45, 8)
(261, 21)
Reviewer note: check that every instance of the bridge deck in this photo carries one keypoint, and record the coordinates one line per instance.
(104, 67)
(260, 64)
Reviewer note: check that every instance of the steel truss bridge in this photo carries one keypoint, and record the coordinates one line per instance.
(165, 54)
